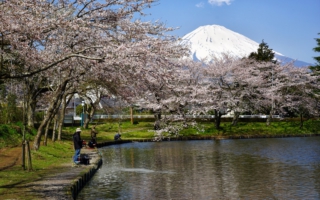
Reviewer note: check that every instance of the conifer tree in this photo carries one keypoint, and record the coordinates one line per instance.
(316, 68)
(263, 53)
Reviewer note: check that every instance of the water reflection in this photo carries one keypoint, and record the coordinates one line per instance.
(285, 168)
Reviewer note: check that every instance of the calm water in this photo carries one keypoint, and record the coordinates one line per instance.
(282, 168)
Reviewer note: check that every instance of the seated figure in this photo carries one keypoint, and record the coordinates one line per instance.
(117, 136)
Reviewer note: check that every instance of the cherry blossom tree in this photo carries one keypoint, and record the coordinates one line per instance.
(171, 97)
(264, 97)
(221, 85)
(69, 33)
(240, 85)
(246, 85)
(297, 92)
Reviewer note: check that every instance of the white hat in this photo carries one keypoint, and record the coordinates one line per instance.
(78, 130)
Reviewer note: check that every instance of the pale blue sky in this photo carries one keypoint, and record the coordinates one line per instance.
(287, 26)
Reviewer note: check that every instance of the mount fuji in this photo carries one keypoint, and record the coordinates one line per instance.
(214, 40)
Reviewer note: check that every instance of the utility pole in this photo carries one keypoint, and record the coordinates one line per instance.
(24, 126)
(131, 113)
(272, 89)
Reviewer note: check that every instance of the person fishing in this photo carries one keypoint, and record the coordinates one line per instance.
(77, 144)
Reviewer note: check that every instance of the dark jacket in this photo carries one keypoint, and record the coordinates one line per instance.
(77, 142)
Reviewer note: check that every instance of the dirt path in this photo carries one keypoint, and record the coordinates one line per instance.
(10, 157)
(56, 184)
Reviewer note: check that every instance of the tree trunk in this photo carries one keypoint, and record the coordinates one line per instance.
(217, 118)
(90, 112)
(131, 115)
(60, 126)
(33, 91)
(182, 114)
(157, 113)
(269, 119)
(54, 128)
(53, 107)
(31, 111)
(119, 126)
(235, 118)
(157, 117)
(65, 102)
(46, 133)
(301, 121)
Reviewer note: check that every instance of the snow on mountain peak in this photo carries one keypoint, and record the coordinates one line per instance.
(213, 40)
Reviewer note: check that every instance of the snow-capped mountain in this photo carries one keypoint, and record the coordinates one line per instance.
(213, 40)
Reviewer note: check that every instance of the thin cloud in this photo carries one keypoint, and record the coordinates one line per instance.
(219, 2)
(200, 5)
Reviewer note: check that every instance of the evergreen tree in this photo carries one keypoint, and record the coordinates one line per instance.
(316, 68)
(263, 53)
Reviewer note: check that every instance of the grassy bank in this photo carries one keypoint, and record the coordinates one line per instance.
(47, 160)
(11, 135)
(142, 130)
(51, 158)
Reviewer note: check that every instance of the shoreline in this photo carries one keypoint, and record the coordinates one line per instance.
(221, 137)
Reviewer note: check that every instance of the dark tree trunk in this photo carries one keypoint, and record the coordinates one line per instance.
(301, 121)
(157, 117)
(217, 117)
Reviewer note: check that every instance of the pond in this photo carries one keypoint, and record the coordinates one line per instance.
(273, 168)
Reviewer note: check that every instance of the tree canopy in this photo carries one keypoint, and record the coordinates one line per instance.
(51, 50)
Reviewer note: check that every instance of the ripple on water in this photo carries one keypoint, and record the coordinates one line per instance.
(287, 168)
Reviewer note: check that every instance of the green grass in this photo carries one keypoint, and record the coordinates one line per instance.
(107, 131)
(46, 161)
(52, 155)
(256, 129)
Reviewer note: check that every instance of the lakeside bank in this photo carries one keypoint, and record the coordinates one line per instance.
(67, 181)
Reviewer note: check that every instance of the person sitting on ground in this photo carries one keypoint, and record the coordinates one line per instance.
(117, 136)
